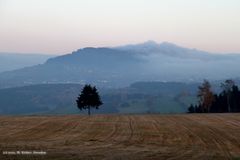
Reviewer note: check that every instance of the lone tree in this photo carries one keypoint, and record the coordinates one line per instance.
(88, 98)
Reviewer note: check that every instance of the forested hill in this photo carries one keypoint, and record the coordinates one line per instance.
(122, 66)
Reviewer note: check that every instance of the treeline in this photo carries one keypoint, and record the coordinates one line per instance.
(228, 100)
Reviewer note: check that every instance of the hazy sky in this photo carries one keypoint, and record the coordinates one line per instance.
(61, 26)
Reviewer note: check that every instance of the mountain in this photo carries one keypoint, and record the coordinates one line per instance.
(172, 50)
(13, 61)
(89, 65)
(121, 66)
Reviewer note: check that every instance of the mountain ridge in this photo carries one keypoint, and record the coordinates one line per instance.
(121, 66)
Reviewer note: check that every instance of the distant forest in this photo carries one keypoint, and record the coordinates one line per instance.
(228, 100)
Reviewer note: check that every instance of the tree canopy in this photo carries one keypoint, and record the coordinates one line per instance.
(89, 98)
(228, 100)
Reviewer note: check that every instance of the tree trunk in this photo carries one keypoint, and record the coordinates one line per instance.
(89, 112)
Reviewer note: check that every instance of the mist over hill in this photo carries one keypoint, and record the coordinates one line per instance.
(121, 66)
(13, 61)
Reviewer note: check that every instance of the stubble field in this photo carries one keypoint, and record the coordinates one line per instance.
(187, 136)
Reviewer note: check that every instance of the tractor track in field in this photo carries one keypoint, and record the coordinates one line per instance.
(184, 134)
(131, 128)
(114, 131)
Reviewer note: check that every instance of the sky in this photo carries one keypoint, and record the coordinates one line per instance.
(62, 26)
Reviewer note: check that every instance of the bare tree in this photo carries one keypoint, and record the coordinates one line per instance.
(206, 96)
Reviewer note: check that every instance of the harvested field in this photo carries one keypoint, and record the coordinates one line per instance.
(187, 136)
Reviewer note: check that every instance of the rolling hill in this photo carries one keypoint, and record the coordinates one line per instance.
(141, 97)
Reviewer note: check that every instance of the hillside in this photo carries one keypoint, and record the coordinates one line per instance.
(120, 66)
(141, 97)
(142, 137)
